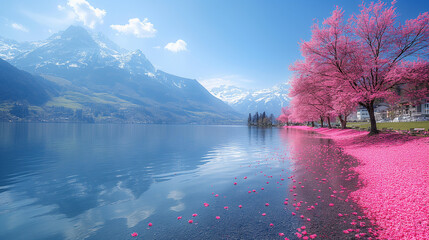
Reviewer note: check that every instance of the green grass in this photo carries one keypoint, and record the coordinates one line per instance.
(394, 125)
(74, 100)
(63, 102)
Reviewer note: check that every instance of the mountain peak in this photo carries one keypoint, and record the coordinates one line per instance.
(137, 52)
(270, 100)
(75, 30)
(77, 47)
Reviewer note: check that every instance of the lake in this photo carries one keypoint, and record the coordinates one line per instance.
(95, 181)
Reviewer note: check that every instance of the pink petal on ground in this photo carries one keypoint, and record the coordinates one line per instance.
(262, 188)
(206, 205)
(281, 234)
(235, 183)
(191, 221)
(331, 204)
(134, 234)
(226, 207)
(267, 204)
(240, 206)
(179, 217)
(150, 224)
(271, 225)
(245, 177)
(194, 215)
(217, 217)
(217, 195)
(264, 214)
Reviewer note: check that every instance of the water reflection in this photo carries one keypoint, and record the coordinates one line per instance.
(77, 181)
(319, 163)
(77, 177)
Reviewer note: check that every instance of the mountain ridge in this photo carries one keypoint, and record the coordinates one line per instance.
(92, 65)
(245, 101)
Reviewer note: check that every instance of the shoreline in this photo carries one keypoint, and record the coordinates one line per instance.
(394, 172)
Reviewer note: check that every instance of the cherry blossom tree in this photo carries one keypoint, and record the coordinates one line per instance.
(368, 58)
(284, 117)
(327, 99)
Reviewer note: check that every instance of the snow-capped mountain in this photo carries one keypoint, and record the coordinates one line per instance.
(91, 64)
(9, 48)
(270, 100)
(73, 48)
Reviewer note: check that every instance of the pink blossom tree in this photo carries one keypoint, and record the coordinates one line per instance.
(284, 117)
(371, 56)
(302, 112)
(321, 93)
(312, 98)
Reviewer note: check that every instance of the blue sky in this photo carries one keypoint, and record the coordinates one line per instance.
(245, 43)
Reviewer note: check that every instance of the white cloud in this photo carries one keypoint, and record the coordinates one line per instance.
(177, 46)
(60, 7)
(136, 27)
(19, 27)
(86, 13)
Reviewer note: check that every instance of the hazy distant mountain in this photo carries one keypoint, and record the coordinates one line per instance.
(9, 48)
(106, 82)
(270, 100)
(18, 85)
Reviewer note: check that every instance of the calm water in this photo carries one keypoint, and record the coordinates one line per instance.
(77, 181)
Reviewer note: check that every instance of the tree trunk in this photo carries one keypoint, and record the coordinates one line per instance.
(312, 123)
(343, 121)
(370, 108)
(321, 121)
(329, 122)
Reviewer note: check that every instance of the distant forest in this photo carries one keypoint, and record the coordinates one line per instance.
(261, 120)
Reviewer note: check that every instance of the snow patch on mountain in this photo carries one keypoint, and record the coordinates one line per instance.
(245, 101)
(74, 47)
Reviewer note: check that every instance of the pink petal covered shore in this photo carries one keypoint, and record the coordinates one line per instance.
(394, 171)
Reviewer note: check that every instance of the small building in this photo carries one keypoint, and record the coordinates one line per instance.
(362, 114)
